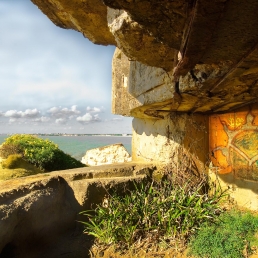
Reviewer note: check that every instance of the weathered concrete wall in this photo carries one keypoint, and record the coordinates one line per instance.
(234, 153)
(115, 153)
(144, 91)
(122, 101)
(179, 139)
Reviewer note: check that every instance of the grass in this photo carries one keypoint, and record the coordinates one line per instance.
(167, 219)
(154, 216)
(233, 235)
(23, 168)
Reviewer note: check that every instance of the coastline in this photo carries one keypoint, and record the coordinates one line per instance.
(76, 145)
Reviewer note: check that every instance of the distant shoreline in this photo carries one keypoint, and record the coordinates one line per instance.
(76, 134)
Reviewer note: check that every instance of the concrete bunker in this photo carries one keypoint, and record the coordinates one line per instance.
(187, 71)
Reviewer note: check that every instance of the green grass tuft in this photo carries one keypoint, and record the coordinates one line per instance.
(232, 236)
(156, 212)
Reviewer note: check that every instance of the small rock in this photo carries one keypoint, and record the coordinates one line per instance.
(115, 153)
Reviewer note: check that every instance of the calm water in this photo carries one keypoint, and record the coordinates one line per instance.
(77, 146)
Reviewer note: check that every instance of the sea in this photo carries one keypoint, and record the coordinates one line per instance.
(77, 145)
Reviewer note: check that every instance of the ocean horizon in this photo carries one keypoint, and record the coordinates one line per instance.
(77, 145)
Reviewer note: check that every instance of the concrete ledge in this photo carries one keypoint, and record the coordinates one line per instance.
(41, 208)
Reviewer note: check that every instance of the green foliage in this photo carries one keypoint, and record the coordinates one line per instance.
(158, 212)
(232, 236)
(44, 154)
(13, 161)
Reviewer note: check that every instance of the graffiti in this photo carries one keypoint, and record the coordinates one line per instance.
(235, 122)
(234, 143)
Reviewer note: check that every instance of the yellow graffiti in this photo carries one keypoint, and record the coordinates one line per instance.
(235, 122)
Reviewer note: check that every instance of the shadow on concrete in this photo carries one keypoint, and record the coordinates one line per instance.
(49, 228)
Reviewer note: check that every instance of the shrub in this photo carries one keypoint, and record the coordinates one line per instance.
(232, 236)
(156, 212)
(44, 154)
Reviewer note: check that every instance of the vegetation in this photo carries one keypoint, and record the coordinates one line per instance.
(43, 154)
(154, 215)
(15, 166)
(13, 161)
(164, 218)
(232, 236)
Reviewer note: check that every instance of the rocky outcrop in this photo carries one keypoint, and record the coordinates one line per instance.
(88, 17)
(136, 42)
(165, 20)
(115, 153)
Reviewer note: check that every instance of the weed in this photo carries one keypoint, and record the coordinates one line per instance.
(154, 212)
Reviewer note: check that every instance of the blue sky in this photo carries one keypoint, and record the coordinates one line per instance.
(51, 79)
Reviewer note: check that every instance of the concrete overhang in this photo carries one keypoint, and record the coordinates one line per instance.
(214, 43)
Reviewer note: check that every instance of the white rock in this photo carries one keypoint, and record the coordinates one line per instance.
(115, 153)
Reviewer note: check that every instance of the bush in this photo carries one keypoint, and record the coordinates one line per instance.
(156, 212)
(44, 154)
(232, 236)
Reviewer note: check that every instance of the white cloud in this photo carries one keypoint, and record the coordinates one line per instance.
(61, 121)
(59, 112)
(13, 113)
(96, 117)
(87, 118)
(95, 109)
(12, 120)
(74, 108)
(42, 119)
(28, 113)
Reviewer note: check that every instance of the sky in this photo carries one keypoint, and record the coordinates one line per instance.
(52, 80)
